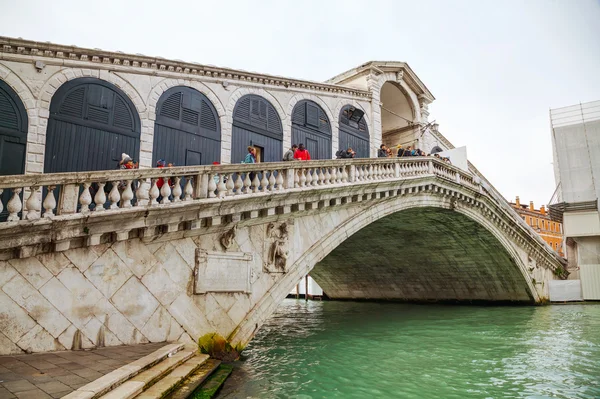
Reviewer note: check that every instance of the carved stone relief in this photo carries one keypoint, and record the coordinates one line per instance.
(277, 251)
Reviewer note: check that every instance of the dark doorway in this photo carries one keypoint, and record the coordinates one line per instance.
(256, 123)
(13, 138)
(310, 122)
(187, 130)
(354, 131)
(91, 124)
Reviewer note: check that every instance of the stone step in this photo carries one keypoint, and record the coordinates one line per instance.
(214, 382)
(188, 386)
(174, 379)
(104, 384)
(137, 384)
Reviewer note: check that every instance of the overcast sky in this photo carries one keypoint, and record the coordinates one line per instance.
(495, 67)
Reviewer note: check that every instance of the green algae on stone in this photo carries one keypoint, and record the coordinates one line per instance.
(218, 347)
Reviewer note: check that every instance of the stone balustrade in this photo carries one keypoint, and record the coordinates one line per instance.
(48, 195)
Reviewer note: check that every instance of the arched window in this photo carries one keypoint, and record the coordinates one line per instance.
(354, 131)
(256, 123)
(13, 138)
(92, 122)
(311, 127)
(187, 130)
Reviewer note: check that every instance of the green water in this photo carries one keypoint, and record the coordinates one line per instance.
(375, 350)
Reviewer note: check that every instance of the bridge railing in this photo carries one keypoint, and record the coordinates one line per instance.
(35, 196)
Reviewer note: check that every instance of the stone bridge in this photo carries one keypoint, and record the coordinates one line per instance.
(93, 259)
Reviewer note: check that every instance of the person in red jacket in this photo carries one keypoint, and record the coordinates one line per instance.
(302, 153)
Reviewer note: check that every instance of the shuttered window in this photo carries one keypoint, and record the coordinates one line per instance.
(309, 114)
(96, 102)
(257, 114)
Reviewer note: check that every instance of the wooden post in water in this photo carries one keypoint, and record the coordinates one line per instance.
(298, 290)
(306, 288)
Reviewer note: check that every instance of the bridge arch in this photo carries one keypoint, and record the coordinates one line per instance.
(371, 215)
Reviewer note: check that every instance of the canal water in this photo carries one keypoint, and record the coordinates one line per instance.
(387, 350)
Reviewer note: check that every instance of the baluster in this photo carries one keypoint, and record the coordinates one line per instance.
(344, 174)
(333, 178)
(99, 198)
(272, 181)
(229, 185)
(255, 183)
(303, 177)
(320, 178)
(154, 192)
(177, 189)
(188, 190)
(247, 183)
(297, 172)
(212, 185)
(309, 177)
(14, 205)
(142, 193)
(127, 195)
(1, 205)
(264, 182)
(85, 199)
(165, 191)
(358, 172)
(238, 184)
(33, 204)
(114, 195)
(49, 203)
(328, 178)
(279, 180)
(221, 187)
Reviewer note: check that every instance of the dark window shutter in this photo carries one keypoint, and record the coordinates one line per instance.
(255, 108)
(8, 113)
(73, 103)
(170, 108)
(273, 122)
(122, 116)
(242, 110)
(190, 117)
(312, 115)
(207, 118)
(96, 114)
(263, 110)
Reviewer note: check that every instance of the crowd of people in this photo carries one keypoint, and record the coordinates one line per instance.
(385, 152)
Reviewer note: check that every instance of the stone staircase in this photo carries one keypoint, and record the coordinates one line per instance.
(157, 375)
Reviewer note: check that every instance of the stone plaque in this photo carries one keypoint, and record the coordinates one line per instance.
(222, 272)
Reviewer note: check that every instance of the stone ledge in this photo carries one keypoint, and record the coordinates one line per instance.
(110, 380)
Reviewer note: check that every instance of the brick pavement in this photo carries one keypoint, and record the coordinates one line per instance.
(55, 374)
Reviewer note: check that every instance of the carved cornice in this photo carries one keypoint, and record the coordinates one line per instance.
(26, 48)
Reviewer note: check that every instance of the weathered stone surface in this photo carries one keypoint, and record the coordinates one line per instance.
(82, 258)
(187, 249)
(159, 283)
(7, 272)
(8, 347)
(108, 273)
(36, 305)
(189, 316)
(66, 339)
(175, 266)
(162, 327)
(38, 340)
(137, 311)
(55, 262)
(32, 270)
(135, 255)
(14, 321)
(113, 320)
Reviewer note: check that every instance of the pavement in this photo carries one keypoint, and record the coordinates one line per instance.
(56, 374)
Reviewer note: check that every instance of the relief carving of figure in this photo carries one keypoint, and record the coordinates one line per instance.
(228, 237)
(278, 252)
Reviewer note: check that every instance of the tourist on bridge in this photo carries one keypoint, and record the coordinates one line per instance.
(289, 155)
(250, 156)
(349, 153)
(382, 152)
(401, 151)
(302, 153)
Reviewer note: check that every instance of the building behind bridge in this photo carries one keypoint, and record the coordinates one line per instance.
(576, 145)
(540, 221)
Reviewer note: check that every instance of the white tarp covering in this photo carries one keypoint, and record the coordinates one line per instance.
(458, 157)
(576, 139)
(565, 290)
